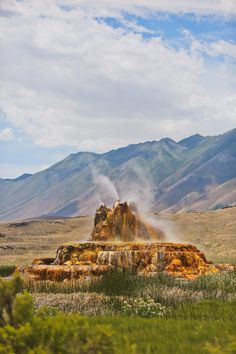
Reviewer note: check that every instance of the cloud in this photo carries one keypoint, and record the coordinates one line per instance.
(106, 8)
(68, 79)
(224, 48)
(6, 134)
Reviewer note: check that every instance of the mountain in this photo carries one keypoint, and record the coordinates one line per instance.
(196, 173)
(191, 141)
(20, 178)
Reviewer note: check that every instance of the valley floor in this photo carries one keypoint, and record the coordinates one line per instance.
(213, 232)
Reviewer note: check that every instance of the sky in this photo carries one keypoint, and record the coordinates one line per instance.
(79, 75)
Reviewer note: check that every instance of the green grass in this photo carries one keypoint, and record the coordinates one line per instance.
(74, 334)
(202, 310)
(163, 288)
(210, 297)
(209, 310)
(177, 336)
(126, 283)
(201, 327)
(223, 281)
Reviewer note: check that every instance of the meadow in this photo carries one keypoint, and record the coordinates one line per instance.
(119, 313)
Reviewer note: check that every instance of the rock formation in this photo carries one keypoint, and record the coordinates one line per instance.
(120, 223)
(121, 240)
(145, 258)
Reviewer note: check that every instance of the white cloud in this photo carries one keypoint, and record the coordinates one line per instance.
(6, 134)
(224, 48)
(206, 7)
(106, 8)
(67, 79)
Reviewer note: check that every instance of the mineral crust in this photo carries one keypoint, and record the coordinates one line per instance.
(145, 258)
(121, 223)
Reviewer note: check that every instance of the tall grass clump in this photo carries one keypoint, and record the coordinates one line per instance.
(52, 287)
(209, 310)
(223, 281)
(115, 283)
(162, 287)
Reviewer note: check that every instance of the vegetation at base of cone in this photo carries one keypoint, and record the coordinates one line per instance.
(165, 288)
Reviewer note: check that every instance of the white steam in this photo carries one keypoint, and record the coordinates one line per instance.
(107, 192)
(167, 226)
(140, 193)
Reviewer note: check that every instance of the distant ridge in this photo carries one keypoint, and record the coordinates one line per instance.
(191, 141)
(24, 176)
(196, 173)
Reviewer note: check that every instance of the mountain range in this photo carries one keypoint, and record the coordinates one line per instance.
(196, 173)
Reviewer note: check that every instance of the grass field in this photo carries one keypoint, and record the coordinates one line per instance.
(214, 232)
(177, 336)
(21, 242)
(112, 294)
(127, 324)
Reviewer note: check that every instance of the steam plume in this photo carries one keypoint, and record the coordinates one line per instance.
(106, 190)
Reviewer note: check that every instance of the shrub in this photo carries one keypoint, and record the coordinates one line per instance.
(8, 300)
(116, 283)
(7, 270)
(23, 332)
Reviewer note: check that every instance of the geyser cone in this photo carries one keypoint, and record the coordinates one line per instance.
(134, 251)
(120, 223)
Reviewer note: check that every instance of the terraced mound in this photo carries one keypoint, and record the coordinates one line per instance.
(115, 244)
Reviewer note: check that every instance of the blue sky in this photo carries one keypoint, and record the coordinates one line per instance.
(97, 76)
(171, 26)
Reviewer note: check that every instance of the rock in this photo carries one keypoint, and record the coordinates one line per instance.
(147, 258)
(43, 261)
(120, 223)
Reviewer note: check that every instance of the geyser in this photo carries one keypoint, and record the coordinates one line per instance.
(121, 240)
(121, 223)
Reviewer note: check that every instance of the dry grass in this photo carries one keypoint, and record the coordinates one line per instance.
(106, 295)
(86, 304)
(40, 238)
(213, 232)
(93, 304)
